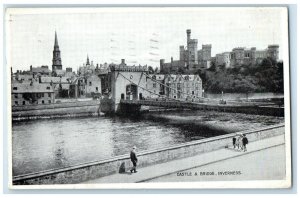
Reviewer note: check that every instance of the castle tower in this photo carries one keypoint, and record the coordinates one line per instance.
(192, 49)
(56, 61)
(188, 35)
(181, 53)
(273, 52)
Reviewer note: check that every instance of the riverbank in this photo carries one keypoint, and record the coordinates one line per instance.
(56, 110)
(120, 164)
(210, 166)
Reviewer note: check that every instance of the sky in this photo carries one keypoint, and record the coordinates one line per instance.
(139, 35)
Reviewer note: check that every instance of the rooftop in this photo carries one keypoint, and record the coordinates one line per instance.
(31, 88)
(46, 79)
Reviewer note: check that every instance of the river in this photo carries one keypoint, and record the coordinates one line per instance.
(40, 145)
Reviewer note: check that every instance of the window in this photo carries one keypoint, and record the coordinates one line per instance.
(49, 101)
(16, 102)
(193, 92)
(16, 95)
(49, 95)
(96, 88)
(24, 102)
(48, 88)
(43, 102)
(90, 83)
(174, 96)
(15, 88)
(154, 85)
(42, 94)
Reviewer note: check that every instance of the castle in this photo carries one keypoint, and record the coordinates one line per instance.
(191, 59)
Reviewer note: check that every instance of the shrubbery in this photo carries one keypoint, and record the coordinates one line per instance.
(264, 77)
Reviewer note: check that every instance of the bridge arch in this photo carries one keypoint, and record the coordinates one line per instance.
(131, 91)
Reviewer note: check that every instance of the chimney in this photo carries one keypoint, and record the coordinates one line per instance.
(172, 59)
(123, 61)
(31, 68)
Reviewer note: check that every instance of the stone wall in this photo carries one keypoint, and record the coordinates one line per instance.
(92, 170)
(56, 110)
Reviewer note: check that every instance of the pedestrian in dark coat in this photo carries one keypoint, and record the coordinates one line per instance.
(133, 159)
(245, 142)
(234, 142)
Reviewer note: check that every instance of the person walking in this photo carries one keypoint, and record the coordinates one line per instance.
(234, 142)
(239, 142)
(245, 142)
(133, 159)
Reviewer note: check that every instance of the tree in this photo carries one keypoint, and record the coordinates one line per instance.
(212, 66)
(181, 70)
(150, 70)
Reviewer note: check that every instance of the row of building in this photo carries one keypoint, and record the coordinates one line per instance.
(40, 85)
(151, 86)
(191, 59)
(183, 87)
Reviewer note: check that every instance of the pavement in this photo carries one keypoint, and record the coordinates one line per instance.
(155, 172)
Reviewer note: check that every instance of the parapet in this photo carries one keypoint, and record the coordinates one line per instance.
(273, 46)
(129, 68)
(238, 48)
(193, 41)
(206, 46)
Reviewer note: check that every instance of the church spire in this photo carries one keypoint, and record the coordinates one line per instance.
(87, 60)
(55, 42)
(56, 61)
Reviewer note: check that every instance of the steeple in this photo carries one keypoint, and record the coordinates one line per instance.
(87, 60)
(55, 42)
(56, 61)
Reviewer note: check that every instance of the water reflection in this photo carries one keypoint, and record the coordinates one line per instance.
(56, 143)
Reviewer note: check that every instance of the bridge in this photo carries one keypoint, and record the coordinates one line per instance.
(129, 92)
(133, 106)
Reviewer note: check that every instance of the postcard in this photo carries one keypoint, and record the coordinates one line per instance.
(148, 97)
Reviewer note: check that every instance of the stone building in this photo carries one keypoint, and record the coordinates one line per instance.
(175, 86)
(223, 59)
(87, 68)
(243, 56)
(93, 85)
(172, 67)
(204, 57)
(60, 85)
(192, 48)
(190, 58)
(183, 87)
(40, 71)
(23, 78)
(127, 82)
(30, 94)
(155, 84)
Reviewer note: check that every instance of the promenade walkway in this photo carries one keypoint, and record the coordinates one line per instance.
(175, 166)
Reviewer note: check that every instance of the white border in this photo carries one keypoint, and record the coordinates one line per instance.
(175, 185)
